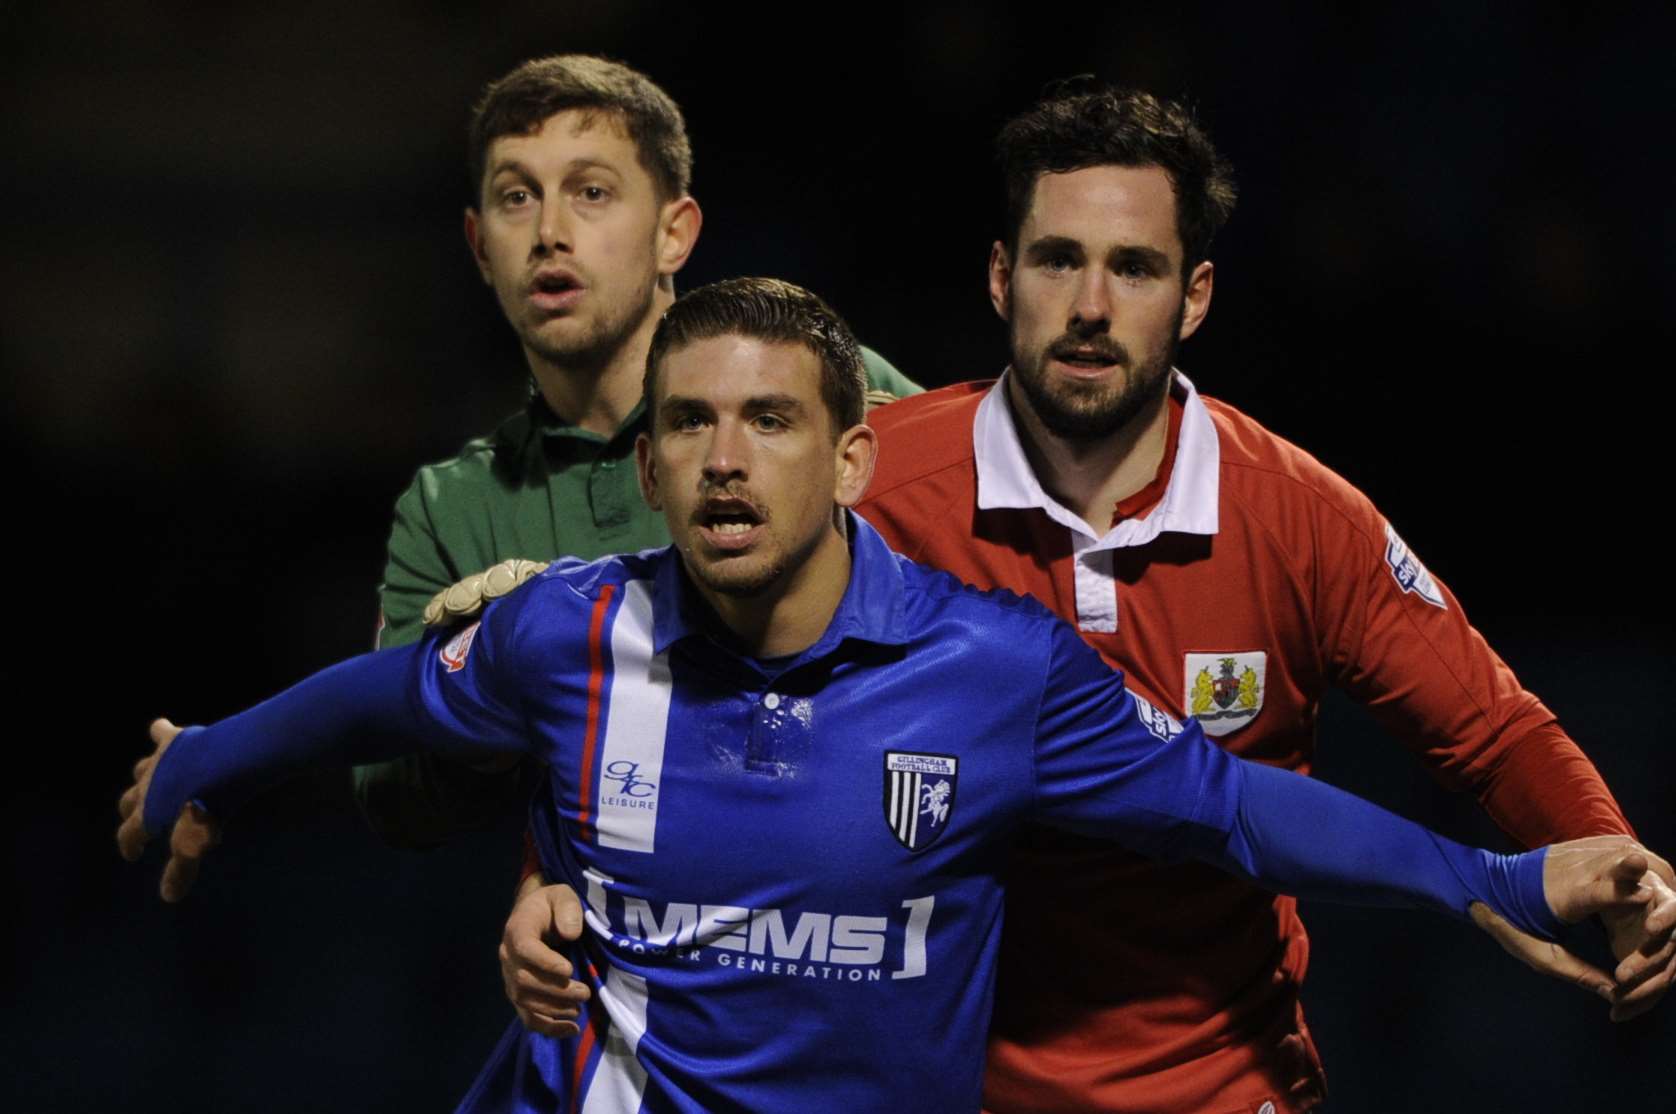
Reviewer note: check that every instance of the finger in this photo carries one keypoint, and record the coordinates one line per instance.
(1639, 967)
(131, 837)
(533, 986)
(163, 732)
(552, 1027)
(129, 801)
(178, 875)
(566, 911)
(434, 611)
(1539, 955)
(465, 597)
(562, 1011)
(192, 836)
(1659, 865)
(553, 1004)
(1634, 1003)
(1661, 912)
(532, 953)
(500, 579)
(524, 943)
(1628, 868)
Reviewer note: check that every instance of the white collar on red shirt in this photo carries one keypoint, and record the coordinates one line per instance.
(1190, 497)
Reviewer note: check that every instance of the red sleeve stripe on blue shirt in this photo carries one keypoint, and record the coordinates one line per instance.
(596, 683)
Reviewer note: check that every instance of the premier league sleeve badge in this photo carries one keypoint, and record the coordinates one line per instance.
(919, 796)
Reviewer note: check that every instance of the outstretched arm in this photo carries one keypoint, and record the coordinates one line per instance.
(368, 708)
(1111, 765)
(1304, 837)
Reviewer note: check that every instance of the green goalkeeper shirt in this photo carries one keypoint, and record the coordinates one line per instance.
(535, 488)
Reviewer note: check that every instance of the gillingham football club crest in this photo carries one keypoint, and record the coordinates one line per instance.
(919, 796)
(1225, 691)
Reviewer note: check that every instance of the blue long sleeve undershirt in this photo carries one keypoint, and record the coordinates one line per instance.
(1288, 832)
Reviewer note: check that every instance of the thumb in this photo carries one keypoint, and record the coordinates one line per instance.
(566, 911)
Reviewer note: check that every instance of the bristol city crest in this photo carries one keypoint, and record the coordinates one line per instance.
(919, 796)
(1225, 690)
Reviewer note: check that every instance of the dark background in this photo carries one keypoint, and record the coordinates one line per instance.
(236, 313)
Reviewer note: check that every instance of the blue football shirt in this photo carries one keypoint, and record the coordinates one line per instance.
(790, 869)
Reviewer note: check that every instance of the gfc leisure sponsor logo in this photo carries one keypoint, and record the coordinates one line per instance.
(626, 788)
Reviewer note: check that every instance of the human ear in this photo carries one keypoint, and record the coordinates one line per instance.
(1195, 299)
(678, 225)
(856, 453)
(474, 241)
(646, 469)
(1001, 281)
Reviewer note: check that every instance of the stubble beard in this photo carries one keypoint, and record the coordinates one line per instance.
(603, 340)
(737, 577)
(741, 575)
(1092, 412)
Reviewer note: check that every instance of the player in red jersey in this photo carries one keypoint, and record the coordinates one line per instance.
(1227, 572)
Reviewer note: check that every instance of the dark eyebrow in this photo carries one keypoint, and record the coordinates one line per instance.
(676, 405)
(512, 165)
(585, 163)
(757, 404)
(1047, 246)
(517, 167)
(1151, 257)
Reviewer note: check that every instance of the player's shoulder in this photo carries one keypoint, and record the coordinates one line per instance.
(482, 464)
(1270, 475)
(558, 604)
(573, 579)
(932, 595)
(924, 435)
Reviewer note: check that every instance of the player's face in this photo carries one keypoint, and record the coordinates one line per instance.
(1094, 301)
(744, 463)
(572, 236)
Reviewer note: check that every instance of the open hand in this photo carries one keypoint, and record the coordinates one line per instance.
(194, 832)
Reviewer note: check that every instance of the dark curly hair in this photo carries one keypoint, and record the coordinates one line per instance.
(1080, 122)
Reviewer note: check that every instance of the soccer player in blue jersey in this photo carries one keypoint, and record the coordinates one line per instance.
(785, 764)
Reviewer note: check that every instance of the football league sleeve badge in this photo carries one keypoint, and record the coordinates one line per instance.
(919, 796)
(1225, 690)
(1411, 576)
(454, 653)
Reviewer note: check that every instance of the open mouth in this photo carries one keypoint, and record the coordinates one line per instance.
(555, 289)
(729, 523)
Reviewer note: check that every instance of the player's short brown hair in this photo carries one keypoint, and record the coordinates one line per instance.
(520, 102)
(774, 311)
(1080, 122)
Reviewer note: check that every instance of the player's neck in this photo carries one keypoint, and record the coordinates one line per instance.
(599, 394)
(792, 615)
(1090, 477)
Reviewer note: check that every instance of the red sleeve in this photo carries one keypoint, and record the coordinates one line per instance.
(532, 861)
(1395, 639)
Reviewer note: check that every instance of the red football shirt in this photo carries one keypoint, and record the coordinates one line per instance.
(1239, 587)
